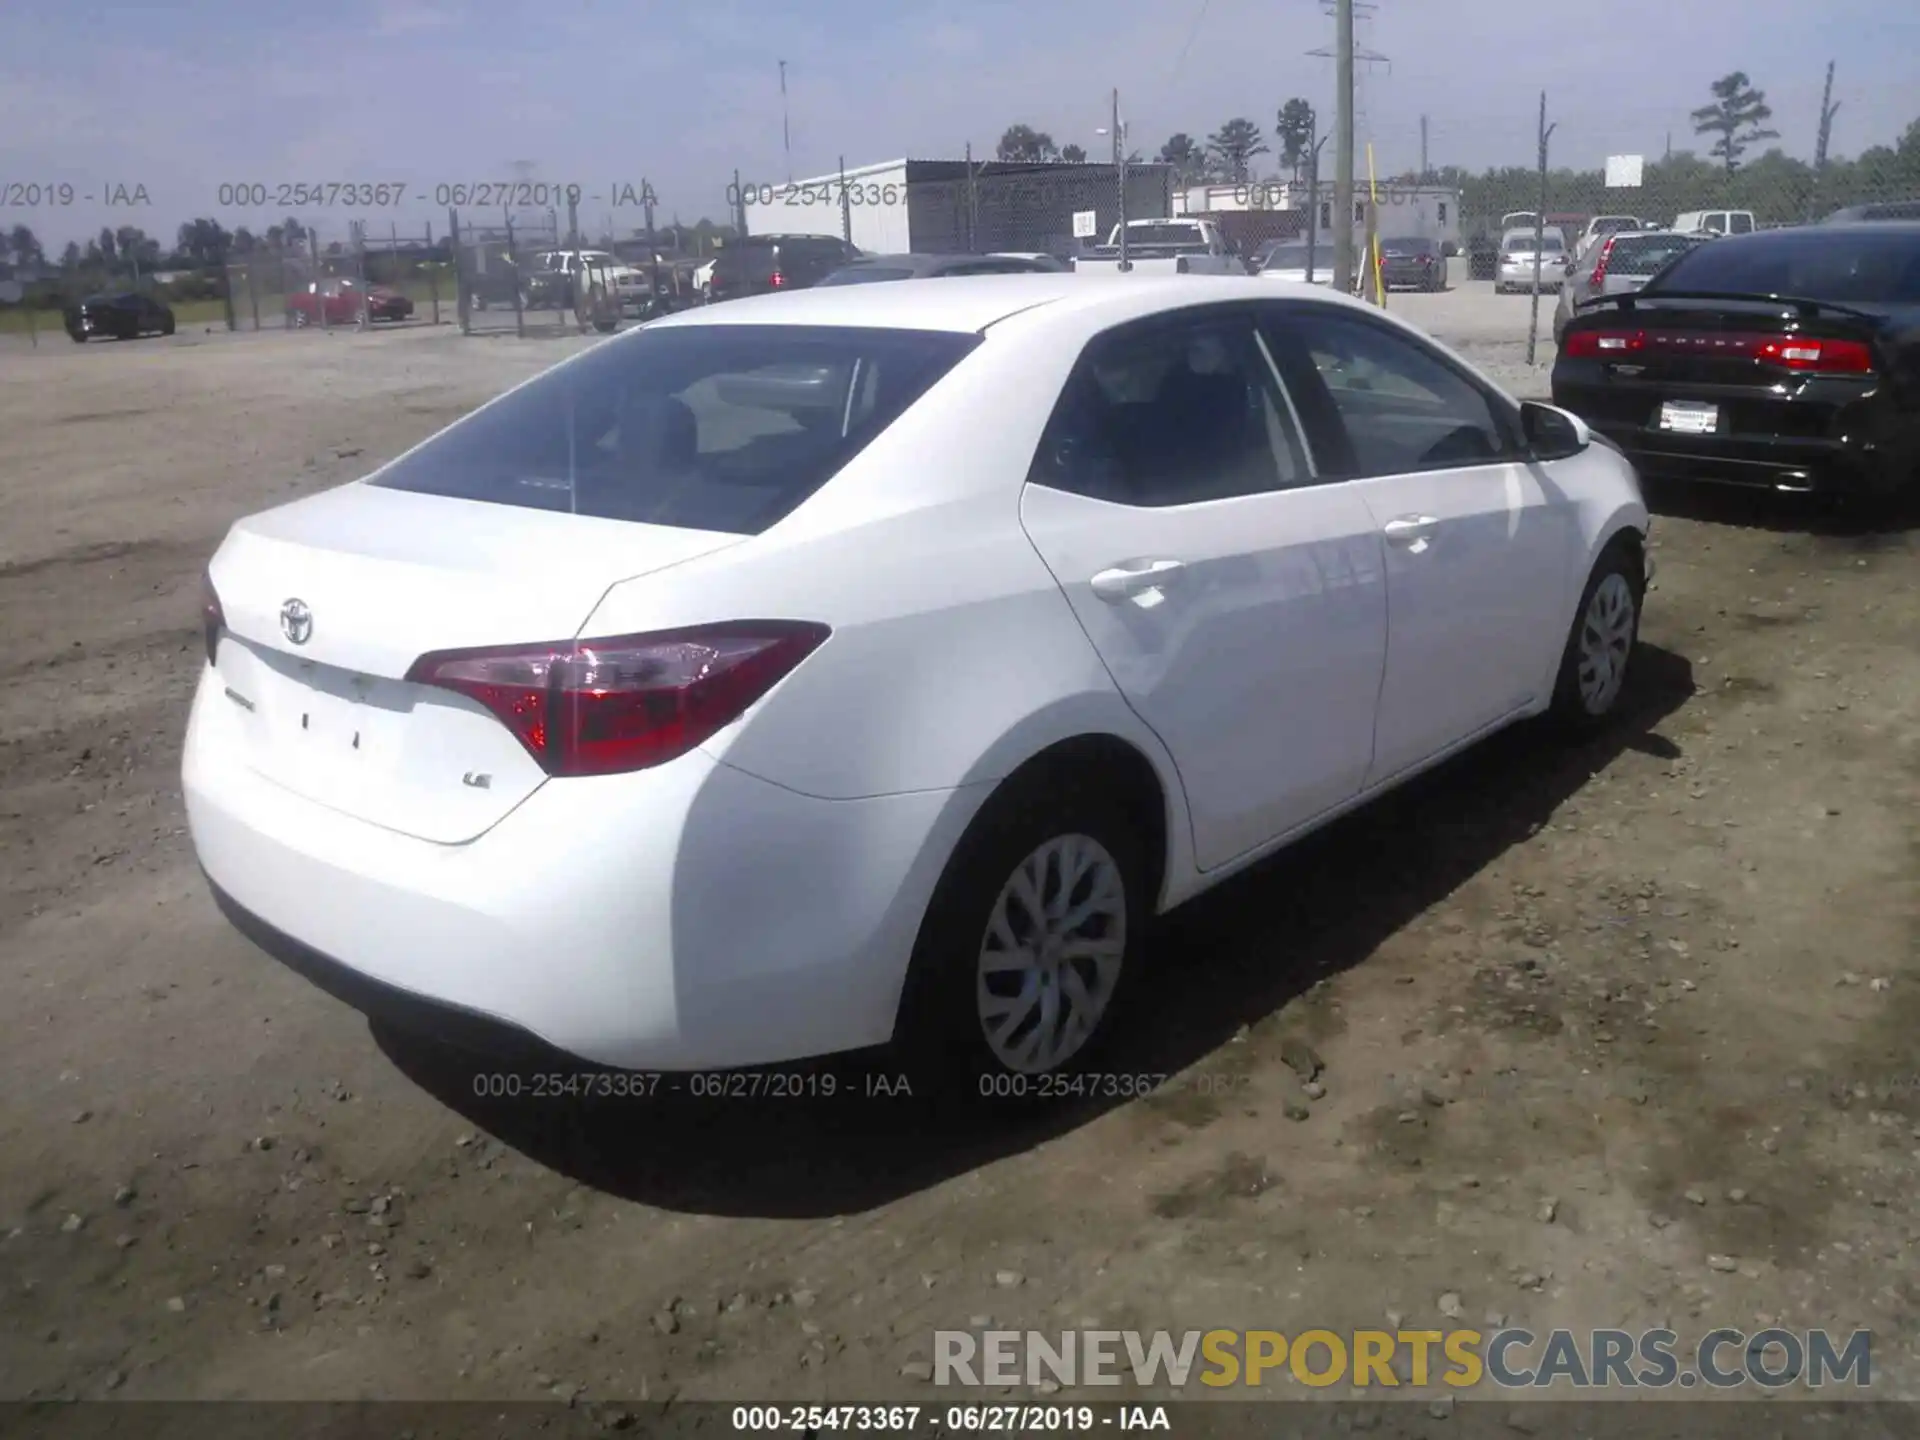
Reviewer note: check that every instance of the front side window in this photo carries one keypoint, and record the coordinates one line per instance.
(1401, 407)
(723, 427)
(1172, 414)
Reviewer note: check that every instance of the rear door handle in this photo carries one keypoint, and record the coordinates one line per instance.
(1123, 582)
(1410, 530)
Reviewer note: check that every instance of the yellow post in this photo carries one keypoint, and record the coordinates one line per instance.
(1373, 232)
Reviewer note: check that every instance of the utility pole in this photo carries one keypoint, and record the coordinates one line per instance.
(1424, 172)
(1343, 147)
(1827, 111)
(1539, 230)
(786, 130)
(1120, 168)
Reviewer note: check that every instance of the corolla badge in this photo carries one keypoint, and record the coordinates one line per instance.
(296, 621)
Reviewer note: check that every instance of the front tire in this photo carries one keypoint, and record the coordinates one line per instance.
(1599, 653)
(1030, 949)
(166, 326)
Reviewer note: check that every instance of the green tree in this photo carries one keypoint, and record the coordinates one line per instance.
(1187, 157)
(1233, 147)
(1073, 155)
(1022, 144)
(204, 242)
(1295, 132)
(1738, 117)
(23, 246)
(70, 257)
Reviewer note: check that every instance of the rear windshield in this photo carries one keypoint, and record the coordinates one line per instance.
(707, 427)
(1645, 254)
(1289, 257)
(1523, 244)
(1811, 264)
(1409, 243)
(1164, 235)
(862, 274)
(746, 255)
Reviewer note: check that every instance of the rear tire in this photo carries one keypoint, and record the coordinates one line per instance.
(166, 326)
(1595, 666)
(1001, 1000)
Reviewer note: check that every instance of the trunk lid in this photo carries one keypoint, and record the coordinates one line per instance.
(380, 578)
(1716, 341)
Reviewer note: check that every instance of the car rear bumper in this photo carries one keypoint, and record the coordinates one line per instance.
(682, 918)
(1818, 444)
(1827, 466)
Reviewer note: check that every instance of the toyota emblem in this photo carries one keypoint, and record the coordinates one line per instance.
(296, 621)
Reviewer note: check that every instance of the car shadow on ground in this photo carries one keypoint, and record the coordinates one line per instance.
(1824, 518)
(777, 1144)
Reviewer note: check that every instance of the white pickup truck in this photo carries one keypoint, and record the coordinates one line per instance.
(1165, 247)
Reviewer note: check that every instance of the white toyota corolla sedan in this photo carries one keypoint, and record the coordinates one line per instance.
(873, 663)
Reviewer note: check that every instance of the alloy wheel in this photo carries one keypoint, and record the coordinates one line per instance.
(1050, 960)
(1606, 639)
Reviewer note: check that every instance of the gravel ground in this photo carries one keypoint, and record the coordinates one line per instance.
(1604, 1036)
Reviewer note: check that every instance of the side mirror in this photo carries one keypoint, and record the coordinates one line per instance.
(1552, 433)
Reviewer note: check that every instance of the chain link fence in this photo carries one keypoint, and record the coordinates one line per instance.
(296, 277)
(958, 207)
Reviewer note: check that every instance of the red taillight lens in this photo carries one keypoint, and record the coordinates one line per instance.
(1600, 265)
(1426, 259)
(603, 707)
(213, 619)
(1828, 357)
(778, 280)
(1603, 344)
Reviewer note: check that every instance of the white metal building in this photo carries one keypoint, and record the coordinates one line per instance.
(937, 206)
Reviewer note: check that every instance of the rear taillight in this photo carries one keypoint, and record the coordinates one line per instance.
(778, 280)
(1600, 265)
(213, 620)
(1601, 343)
(1828, 357)
(603, 707)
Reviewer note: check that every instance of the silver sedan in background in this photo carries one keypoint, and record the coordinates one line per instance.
(1517, 270)
(1616, 264)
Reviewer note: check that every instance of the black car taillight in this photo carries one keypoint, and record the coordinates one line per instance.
(213, 620)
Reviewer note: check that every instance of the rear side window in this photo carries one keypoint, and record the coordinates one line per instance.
(710, 427)
(1740, 223)
(1813, 263)
(1644, 255)
(1173, 413)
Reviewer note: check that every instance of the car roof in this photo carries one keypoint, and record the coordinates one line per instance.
(918, 261)
(970, 304)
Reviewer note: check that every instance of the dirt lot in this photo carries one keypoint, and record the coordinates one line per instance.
(1588, 1018)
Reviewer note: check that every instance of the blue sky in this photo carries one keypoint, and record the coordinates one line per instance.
(183, 97)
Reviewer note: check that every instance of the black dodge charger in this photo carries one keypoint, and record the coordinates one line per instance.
(124, 314)
(1784, 359)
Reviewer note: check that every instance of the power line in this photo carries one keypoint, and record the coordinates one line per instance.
(1199, 19)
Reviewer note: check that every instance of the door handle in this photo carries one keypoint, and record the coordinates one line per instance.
(1410, 529)
(1125, 581)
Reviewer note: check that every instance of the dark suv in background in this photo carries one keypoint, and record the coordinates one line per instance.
(763, 264)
